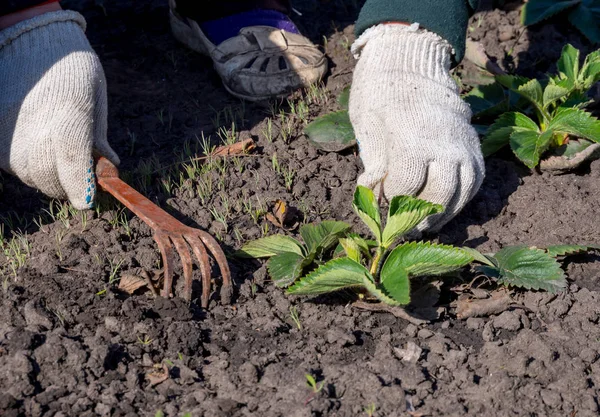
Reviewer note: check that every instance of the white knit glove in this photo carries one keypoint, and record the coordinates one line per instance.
(413, 128)
(52, 106)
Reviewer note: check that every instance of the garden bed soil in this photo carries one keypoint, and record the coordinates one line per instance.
(72, 344)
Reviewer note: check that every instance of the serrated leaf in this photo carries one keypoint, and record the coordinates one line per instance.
(285, 268)
(576, 122)
(568, 63)
(498, 134)
(552, 93)
(270, 246)
(529, 145)
(381, 295)
(424, 258)
(365, 205)
(396, 286)
(532, 91)
(404, 214)
(585, 18)
(322, 236)
(487, 100)
(512, 82)
(590, 71)
(332, 132)
(565, 250)
(332, 276)
(535, 11)
(529, 268)
(351, 248)
(479, 257)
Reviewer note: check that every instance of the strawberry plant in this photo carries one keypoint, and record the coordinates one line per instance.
(558, 111)
(583, 14)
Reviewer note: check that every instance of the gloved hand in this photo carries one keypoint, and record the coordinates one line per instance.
(52, 106)
(413, 128)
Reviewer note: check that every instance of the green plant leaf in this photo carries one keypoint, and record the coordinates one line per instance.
(344, 98)
(576, 122)
(564, 250)
(322, 236)
(365, 205)
(529, 145)
(552, 93)
(404, 214)
(424, 258)
(532, 90)
(585, 18)
(568, 63)
(332, 132)
(529, 268)
(535, 11)
(512, 82)
(351, 248)
(270, 246)
(590, 71)
(479, 257)
(331, 276)
(285, 268)
(396, 286)
(379, 293)
(487, 100)
(498, 134)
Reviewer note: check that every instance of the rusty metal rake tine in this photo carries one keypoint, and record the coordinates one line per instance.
(202, 256)
(186, 263)
(166, 250)
(217, 253)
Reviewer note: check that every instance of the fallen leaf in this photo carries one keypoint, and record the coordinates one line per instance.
(467, 306)
(283, 215)
(158, 375)
(411, 353)
(130, 283)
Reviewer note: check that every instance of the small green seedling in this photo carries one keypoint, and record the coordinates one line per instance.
(362, 265)
(288, 258)
(557, 106)
(312, 383)
(370, 410)
(145, 341)
(583, 14)
(295, 317)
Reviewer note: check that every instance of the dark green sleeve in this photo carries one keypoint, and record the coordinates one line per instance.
(447, 18)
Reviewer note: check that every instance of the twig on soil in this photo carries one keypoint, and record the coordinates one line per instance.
(396, 311)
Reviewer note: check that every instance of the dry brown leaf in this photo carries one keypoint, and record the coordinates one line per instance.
(130, 283)
(158, 375)
(467, 306)
(282, 215)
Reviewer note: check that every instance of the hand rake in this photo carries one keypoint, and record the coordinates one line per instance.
(168, 233)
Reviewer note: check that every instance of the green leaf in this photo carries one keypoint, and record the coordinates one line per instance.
(512, 82)
(396, 286)
(552, 93)
(568, 63)
(585, 18)
(404, 214)
(529, 145)
(351, 248)
(380, 294)
(285, 268)
(487, 100)
(532, 90)
(529, 268)
(424, 258)
(365, 205)
(321, 237)
(479, 257)
(535, 11)
(576, 122)
(344, 98)
(331, 276)
(498, 135)
(270, 246)
(332, 132)
(590, 71)
(564, 250)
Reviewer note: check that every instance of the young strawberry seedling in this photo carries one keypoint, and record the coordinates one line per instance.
(559, 119)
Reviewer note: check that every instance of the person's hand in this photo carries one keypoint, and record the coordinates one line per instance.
(52, 106)
(413, 128)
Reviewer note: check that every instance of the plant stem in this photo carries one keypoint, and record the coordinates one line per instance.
(375, 265)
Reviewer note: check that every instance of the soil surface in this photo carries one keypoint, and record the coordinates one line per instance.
(72, 344)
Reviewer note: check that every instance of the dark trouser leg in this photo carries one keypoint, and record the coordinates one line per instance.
(203, 10)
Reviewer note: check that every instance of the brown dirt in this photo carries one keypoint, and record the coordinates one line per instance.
(67, 348)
